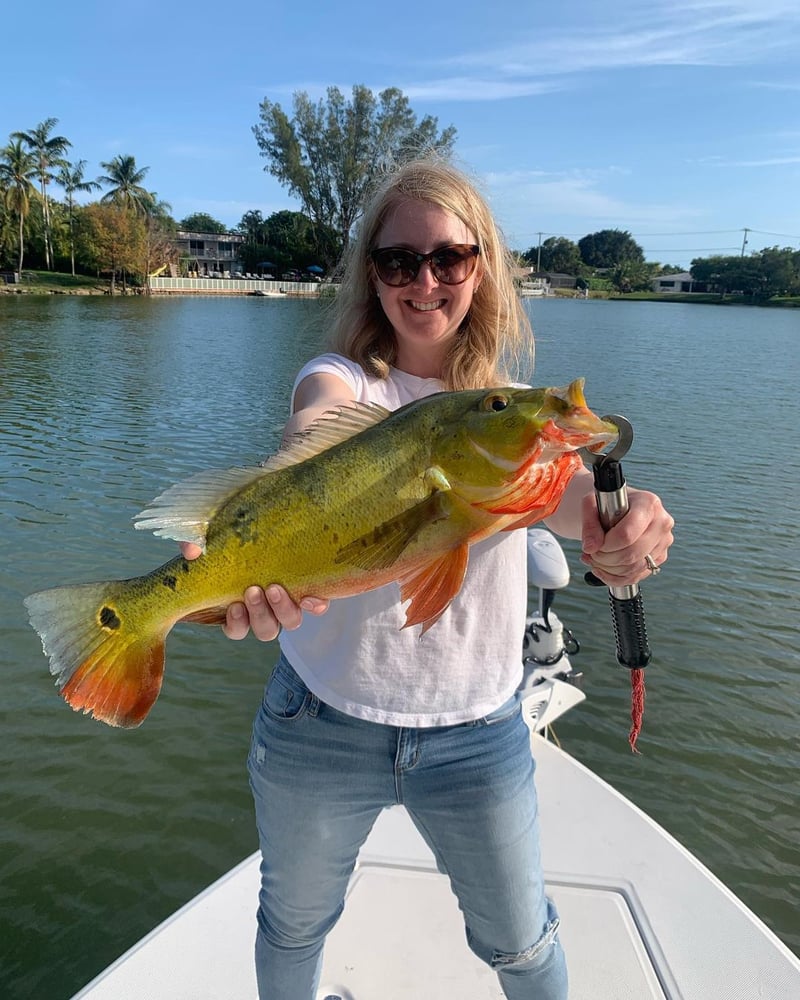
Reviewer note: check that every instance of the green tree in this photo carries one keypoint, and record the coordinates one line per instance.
(125, 180)
(18, 168)
(111, 239)
(49, 151)
(633, 276)
(330, 153)
(557, 253)
(610, 247)
(70, 177)
(201, 222)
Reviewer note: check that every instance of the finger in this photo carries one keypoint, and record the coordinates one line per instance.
(190, 551)
(237, 621)
(315, 605)
(263, 621)
(286, 611)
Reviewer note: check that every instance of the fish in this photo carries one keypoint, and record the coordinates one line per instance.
(362, 498)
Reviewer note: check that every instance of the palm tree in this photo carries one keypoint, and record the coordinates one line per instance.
(70, 177)
(49, 152)
(18, 168)
(125, 180)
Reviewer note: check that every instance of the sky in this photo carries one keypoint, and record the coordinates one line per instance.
(678, 122)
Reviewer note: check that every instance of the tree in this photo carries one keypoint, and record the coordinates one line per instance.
(18, 168)
(557, 253)
(111, 239)
(125, 180)
(49, 152)
(773, 271)
(70, 177)
(610, 247)
(329, 154)
(201, 222)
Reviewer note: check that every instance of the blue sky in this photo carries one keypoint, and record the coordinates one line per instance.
(679, 122)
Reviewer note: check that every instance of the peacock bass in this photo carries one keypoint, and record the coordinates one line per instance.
(364, 497)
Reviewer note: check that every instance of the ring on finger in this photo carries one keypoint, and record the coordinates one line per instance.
(651, 564)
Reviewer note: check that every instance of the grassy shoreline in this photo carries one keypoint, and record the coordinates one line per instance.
(56, 283)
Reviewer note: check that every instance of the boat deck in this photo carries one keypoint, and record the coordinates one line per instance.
(641, 919)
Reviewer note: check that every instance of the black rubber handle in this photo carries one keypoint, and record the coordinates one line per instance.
(630, 631)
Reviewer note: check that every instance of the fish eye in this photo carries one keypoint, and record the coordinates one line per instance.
(497, 401)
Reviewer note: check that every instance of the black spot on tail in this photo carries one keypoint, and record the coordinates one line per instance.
(108, 618)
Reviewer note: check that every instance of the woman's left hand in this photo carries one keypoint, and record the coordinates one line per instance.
(618, 556)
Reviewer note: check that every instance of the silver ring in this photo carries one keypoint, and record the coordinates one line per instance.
(651, 565)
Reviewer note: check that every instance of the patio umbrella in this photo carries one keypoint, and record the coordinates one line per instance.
(315, 269)
(267, 263)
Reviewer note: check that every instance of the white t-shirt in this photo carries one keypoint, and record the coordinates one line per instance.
(359, 659)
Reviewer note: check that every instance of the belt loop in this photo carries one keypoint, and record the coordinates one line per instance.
(313, 705)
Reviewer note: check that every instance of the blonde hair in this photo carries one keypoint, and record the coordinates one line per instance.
(495, 335)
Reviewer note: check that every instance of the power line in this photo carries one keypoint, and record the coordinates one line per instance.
(699, 232)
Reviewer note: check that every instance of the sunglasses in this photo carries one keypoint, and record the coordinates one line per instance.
(450, 265)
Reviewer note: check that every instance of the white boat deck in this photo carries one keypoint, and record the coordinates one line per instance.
(641, 919)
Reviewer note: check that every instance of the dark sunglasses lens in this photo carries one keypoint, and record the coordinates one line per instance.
(396, 267)
(452, 265)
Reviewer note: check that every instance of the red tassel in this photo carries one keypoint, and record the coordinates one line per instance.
(637, 708)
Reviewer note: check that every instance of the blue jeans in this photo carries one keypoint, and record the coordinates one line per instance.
(320, 778)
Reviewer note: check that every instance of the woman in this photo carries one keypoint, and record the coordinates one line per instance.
(360, 714)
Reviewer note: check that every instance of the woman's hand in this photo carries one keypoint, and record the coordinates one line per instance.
(265, 610)
(618, 556)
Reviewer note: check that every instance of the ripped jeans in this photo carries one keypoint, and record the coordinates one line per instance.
(320, 778)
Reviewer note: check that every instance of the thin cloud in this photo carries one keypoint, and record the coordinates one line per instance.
(701, 34)
(576, 195)
(465, 88)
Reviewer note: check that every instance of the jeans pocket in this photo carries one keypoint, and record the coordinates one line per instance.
(286, 697)
(504, 712)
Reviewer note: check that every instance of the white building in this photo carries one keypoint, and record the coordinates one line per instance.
(681, 282)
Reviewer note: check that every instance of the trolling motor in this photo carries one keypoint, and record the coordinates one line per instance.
(550, 687)
(627, 609)
(546, 643)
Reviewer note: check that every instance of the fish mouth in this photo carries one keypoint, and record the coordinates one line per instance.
(574, 425)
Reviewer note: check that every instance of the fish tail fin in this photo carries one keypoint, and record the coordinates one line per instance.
(108, 662)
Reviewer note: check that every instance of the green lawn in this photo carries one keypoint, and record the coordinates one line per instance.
(49, 282)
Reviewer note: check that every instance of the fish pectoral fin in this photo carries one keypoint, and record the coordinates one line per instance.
(383, 545)
(207, 616)
(184, 510)
(432, 588)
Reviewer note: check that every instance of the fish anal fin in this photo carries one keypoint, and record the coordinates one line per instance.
(207, 616)
(432, 588)
(383, 545)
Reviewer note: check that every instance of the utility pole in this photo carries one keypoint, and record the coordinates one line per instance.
(744, 241)
(539, 255)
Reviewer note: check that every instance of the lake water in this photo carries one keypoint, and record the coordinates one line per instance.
(104, 402)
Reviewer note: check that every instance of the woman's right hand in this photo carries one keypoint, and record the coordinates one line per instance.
(264, 611)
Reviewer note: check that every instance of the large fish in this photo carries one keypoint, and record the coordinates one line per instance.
(363, 498)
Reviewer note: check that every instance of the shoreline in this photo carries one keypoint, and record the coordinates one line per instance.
(56, 283)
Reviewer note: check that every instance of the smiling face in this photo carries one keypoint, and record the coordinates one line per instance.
(425, 314)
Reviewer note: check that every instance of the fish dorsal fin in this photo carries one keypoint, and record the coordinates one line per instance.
(183, 511)
(333, 427)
